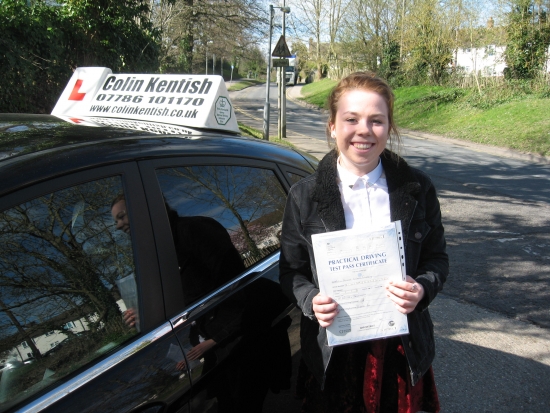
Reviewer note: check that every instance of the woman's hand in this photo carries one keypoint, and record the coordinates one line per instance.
(325, 309)
(197, 352)
(130, 317)
(405, 294)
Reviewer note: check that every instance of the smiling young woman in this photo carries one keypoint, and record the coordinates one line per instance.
(361, 184)
(361, 130)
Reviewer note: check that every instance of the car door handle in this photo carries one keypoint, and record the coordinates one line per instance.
(180, 319)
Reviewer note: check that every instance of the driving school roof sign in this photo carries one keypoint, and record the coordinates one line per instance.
(194, 101)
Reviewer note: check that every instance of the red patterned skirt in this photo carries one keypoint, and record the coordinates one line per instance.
(370, 377)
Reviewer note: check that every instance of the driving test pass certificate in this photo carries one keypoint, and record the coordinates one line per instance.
(353, 268)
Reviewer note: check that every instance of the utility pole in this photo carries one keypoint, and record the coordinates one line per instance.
(267, 80)
(282, 83)
(280, 73)
(206, 43)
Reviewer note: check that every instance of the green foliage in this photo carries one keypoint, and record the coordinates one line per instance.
(243, 84)
(442, 95)
(185, 58)
(249, 131)
(41, 45)
(250, 62)
(509, 91)
(32, 40)
(301, 50)
(117, 35)
(528, 33)
(258, 134)
(428, 44)
(389, 68)
(488, 118)
(317, 93)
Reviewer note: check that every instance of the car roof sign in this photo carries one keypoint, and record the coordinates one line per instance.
(95, 96)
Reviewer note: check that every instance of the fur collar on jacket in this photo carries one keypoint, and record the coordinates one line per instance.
(403, 185)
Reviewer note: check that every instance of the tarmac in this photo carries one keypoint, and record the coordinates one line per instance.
(485, 362)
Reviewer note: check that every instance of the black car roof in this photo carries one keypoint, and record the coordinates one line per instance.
(37, 147)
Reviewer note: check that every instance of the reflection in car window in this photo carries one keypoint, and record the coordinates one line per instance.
(248, 202)
(294, 177)
(66, 277)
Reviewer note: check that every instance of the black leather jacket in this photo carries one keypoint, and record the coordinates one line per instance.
(314, 206)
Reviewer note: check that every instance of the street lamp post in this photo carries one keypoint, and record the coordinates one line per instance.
(206, 56)
(267, 81)
(282, 85)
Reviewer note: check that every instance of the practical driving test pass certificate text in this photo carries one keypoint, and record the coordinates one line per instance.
(353, 268)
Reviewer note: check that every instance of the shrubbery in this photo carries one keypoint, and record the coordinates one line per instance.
(41, 45)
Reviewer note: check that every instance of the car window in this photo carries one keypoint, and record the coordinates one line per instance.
(66, 276)
(294, 177)
(218, 213)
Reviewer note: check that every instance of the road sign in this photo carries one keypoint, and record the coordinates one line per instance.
(280, 62)
(281, 49)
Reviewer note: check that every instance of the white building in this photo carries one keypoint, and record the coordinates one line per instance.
(48, 341)
(488, 60)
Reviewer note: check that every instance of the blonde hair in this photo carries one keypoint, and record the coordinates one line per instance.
(367, 81)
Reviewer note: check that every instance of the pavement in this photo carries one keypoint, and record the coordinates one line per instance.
(485, 362)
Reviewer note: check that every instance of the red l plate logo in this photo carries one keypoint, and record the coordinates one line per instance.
(75, 94)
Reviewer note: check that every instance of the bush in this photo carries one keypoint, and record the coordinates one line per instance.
(41, 45)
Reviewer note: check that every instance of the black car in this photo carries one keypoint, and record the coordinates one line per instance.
(139, 272)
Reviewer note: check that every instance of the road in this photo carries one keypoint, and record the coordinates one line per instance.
(496, 213)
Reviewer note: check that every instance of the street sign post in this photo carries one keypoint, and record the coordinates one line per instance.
(281, 50)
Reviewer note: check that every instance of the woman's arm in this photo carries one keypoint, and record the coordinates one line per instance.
(294, 265)
(433, 264)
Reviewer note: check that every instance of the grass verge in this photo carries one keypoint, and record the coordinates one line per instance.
(243, 84)
(499, 116)
(255, 133)
(521, 123)
(316, 93)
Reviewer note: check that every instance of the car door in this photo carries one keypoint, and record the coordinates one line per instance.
(217, 223)
(67, 277)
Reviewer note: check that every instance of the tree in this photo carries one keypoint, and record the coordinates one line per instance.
(252, 60)
(57, 258)
(300, 49)
(528, 33)
(233, 193)
(33, 57)
(118, 35)
(310, 17)
(41, 44)
(192, 30)
(428, 42)
(369, 27)
(336, 12)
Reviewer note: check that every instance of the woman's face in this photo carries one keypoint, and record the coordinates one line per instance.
(118, 212)
(361, 130)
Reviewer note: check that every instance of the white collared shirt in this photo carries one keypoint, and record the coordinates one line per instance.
(365, 198)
